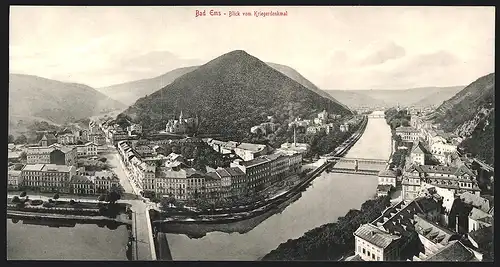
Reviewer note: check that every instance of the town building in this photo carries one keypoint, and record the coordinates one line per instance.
(479, 219)
(344, 127)
(118, 134)
(182, 125)
(182, 184)
(480, 238)
(389, 236)
(53, 154)
(418, 154)
(134, 129)
(262, 171)
(443, 151)
(302, 148)
(14, 179)
(408, 134)
(248, 151)
(387, 177)
(299, 123)
(47, 140)
(314, 129)
(453, 179)
(47, 177)
(87, 149)
(98, 138)
(67, 139)
(93, 183)
(264, 128)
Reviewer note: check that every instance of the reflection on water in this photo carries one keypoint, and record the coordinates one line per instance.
(62, 240)
(331, 195)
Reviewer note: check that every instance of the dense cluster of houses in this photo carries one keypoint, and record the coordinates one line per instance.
(441, 216)
(51, 165)
(255, 168)
(322, 123)
(419, 230)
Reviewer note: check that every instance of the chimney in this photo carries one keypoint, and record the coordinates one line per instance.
(294, 138)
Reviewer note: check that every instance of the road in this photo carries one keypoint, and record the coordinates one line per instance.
(116, 166)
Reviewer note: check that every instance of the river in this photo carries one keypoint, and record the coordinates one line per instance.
(81, 242)
(331, 195)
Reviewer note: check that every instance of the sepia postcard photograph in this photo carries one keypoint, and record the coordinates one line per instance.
(251, 133)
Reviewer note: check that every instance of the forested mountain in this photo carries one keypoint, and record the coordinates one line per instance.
(464, 106)
(129, 92)
(230, 94)
(471, 115)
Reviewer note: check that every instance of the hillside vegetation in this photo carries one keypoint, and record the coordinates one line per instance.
(32, 98)
(330, 241)
(130, 92)
(465, 104)
(230, 94)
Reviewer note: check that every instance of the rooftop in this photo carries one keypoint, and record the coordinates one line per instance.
(387, 173)
(482, 236)
(251, 147)
(235, 171)
(477, 214)
(254, 162)
(80, 179)
(57, 168)
(476, 201)
(375, 235)
(33, 167)
(454, 251)
(432, 231)
(406, 129)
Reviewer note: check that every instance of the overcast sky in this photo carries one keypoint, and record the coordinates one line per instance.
(333, 47)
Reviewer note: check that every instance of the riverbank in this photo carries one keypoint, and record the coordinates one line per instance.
(330, 241)
(261, 207)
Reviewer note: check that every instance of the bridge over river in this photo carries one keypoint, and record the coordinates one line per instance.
(330, 195)
(357, 165)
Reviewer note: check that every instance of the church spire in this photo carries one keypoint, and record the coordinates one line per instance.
(180, 116)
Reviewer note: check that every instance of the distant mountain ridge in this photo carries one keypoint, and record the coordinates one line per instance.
(129, 92)
(231, 94)
(418, 97)
(32, 96)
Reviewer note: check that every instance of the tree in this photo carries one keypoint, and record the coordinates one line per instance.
(23, 194)
(113, 196)
(102, 197)
(56, 196)
(21, 139)
(23, 156)
(16, 199)
(72, 202)
(103, 159)
(11, 138)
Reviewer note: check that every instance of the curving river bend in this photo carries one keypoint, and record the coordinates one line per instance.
(331, 195)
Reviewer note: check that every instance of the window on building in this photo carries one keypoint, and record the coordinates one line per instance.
(378, 258)
(373, 256)
(368, 252)
(364, 251)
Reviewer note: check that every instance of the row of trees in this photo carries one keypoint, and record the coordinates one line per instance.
(397, 118)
